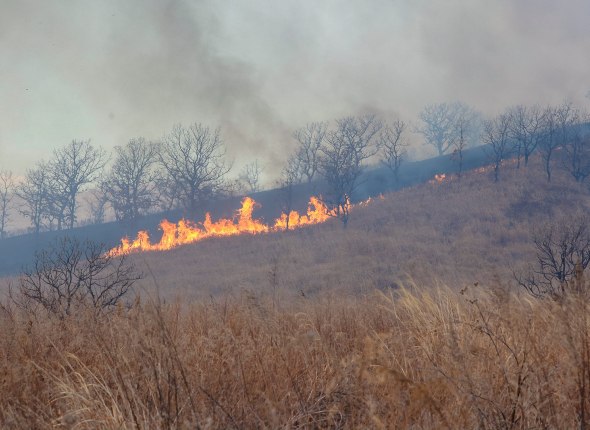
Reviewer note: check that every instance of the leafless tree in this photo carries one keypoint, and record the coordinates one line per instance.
(526, 128)
(550, 138)
(194, 163)
(310, 139)
(440, 124)
(562, 250)
(97, 203)
(130, 186)
(343, 156)
(250, 176)
(577, 149)
(496, 134)
(393, 144)
(558, 126)
(460, 144)
(167, 190)
(34, 191)
(72, 275)
(72, 168)
(289, 178)
(7, 185)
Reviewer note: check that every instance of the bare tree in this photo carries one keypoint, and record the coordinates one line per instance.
(130, 186)
(73, 167)
(577, 149)
(168, 191)
(562, 250)
(250, 176)
(496, 134)
(97, 203)
(194, 163)
(460, 144)
(393, 144)
(549, 142)
(290, 176)
(440, 124)
(559, 124)
(526, 128)
(343, 156)
(7, 186)
(34, 193)
(72, 275)
(310, 139)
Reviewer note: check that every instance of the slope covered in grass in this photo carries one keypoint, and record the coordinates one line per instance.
(311, 328)
(456, 232)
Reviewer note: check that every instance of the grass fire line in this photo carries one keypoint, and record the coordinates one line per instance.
(185, 231)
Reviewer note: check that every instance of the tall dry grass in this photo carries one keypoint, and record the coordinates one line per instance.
(478, 358)
(309, 329)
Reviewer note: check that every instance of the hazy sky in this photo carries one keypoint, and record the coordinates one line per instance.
(110, 70)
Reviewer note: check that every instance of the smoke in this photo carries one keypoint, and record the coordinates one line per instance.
(114, 70)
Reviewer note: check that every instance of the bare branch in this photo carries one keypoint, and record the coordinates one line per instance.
(193, 159)
(496, 134)
(563, 253)
(250, 176)
(393, 144)
(73, 275)
(440, 125)
(343, 156)
(310, 140)
(7, 188)
(130, 186)
(73, 167)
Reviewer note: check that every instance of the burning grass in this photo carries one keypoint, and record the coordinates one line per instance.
(186, 232)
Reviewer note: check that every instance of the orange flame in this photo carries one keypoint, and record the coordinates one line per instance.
(185, 232)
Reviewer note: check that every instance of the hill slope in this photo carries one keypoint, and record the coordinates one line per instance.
(454, 232)
(294, 344)
(18, 251)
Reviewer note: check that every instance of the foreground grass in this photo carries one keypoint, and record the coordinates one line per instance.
(437, 359)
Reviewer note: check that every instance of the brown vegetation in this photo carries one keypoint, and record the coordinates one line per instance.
(437, 359)
(311, 328)
(455, 233)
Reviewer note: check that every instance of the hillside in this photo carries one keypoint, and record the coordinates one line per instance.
(456, 232)
(408, 318)
(18, 251)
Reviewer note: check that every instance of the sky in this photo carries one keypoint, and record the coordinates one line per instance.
(112, 70)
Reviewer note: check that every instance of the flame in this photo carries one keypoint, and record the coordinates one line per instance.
(439, 178)
(185, 231)
(317, 213)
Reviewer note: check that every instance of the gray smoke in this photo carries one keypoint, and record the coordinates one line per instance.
(112, 70)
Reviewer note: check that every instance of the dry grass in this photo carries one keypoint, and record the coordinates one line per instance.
(437, 359)
(455, 233)
(310, 329)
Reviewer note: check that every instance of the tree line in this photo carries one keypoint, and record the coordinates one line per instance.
(188, 166)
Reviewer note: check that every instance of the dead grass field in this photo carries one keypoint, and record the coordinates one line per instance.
(380, 325)
(413, 359)
(454, 233)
